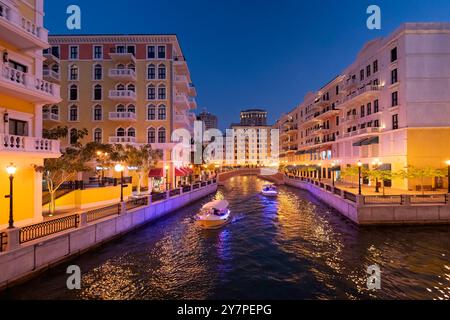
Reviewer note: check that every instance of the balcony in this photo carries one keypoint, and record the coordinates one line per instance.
(32, 145)
(192, 103)
(181, 101)
(28, 87)
(122, 56)
(326, 113)
(182, 83)
(361, 94)
(51, 75)
(182, 119)
(50, 58)
(192, 90)
(122, 140)
(180, 65)
(122, 95)
(122, 116)
(50, 116)
(350, 118)
(122, 74)
(361, 132)
(19, 31)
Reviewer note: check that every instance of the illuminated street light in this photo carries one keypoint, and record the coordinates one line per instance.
(377, 163)
(448, 175)
(11, 170)
(332, 172)
(120, 168)
(167, 167)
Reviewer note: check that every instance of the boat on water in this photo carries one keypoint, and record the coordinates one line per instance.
(214, 215)
(270, 190)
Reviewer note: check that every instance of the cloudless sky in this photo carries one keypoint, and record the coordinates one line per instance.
(252, 53)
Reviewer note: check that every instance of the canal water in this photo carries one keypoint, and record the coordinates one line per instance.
(290, 247)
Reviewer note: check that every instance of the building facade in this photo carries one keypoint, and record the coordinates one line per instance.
(23, 93)
(390, 106)
(254, 117)
(209, 120)
(124, 89)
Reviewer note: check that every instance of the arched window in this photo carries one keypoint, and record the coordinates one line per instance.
(151, 112)
(120, 66)
(131, 132)
(131, 108)
(131, 87)
(121, 108)
(98, 72)
(55, 110)
(151, 72)
(162, 135)
(151, 135)
(161, 71)
(162, 112)
(162, 92)
(73, 92)
(98, 92)
(151, 92)
(45, 109)
(73, 113)
(131, 66)
(120, 87)
(98, 113)
(120, 132)
(55, 68)
(73, 136)
(73, 73)
(98, 135)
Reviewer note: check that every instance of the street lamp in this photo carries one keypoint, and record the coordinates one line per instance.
(11, 170)
(332, 172)
(448, 176)
(166, 167)
(320, 171)
(377, 163)
(120, 168)
(359, 177)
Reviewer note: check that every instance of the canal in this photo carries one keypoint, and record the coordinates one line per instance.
(290, 247)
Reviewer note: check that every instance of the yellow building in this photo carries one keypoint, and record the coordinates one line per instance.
(23, 93)
(124, 89)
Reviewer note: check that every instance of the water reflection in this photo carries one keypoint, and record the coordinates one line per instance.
(290, 247)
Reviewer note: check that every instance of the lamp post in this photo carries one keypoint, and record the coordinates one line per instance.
(448, 175)
(191, 167)
(359, 177)
(120, 168)
(377, 163)
(332, 172)
(166, 167)
(11, 170)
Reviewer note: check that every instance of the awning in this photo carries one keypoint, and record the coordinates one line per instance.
(156, 173)
(180, 172)
(367, 141)
(301, 152)
(359, 143)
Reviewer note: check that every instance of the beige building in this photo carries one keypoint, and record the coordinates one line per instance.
(124, 89)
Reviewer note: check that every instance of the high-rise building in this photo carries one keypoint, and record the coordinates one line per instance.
(390, 106)
(23, 93)
(125, 89)
(209, 120)
(254, 117)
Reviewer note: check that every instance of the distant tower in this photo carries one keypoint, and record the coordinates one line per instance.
(254, 117)
(209, 120)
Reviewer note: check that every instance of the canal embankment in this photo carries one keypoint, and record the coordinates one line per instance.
(30, 250)
(377, 209)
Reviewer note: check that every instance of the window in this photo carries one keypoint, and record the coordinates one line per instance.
(18, 127)
(98, 72)
(394, 76)
(376, 123)
(98, 52)
(131, 132)
(151, 92)
(376, 107)
(73, 52)
(151, 135)
(151, 72)
(375, 66)
(73, 113)
(120, 87)
(151, 54)
(162, 93)
(120, 108)
(395, 122)
(369, 109)
(162, 135)
(337, 121)
(73, 92)
(98, 114)
(131, 108)
(161, 52)
(131, 87)
(162, 112)
(395, 98)
(73, 136)
(120, 132)
(55, 110)
(131, 66)
(161, 71)
(151, 112)
(97, 92)
(394, 54)
(98, 135)
(73, 73)
(361, 75)
(368, 71)
(337, 90)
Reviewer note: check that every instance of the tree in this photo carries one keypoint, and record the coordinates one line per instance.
(143, 159)
(382, 176)
(350, 172)
(58, 171)
(422, 173)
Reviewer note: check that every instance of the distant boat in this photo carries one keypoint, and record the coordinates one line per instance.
(270, 190)
(214, 215)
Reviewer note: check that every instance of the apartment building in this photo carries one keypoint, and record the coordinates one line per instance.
(209, 120)
(391, 105)
(124, 89)
(23, 93)
(254, 117)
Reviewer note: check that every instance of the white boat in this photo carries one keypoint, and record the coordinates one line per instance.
(214, 215)
(270, 190)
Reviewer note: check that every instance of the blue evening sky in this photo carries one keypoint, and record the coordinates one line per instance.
(252, 53)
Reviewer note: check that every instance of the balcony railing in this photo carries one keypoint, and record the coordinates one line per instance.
(124, 139)
(36, 89)
(122, 95)
(360, 92)
(28, 144)
(50, 74)
(50, 116)
(121, 116)
(122, 74)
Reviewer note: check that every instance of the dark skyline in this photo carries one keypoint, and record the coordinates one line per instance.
(252, 54)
